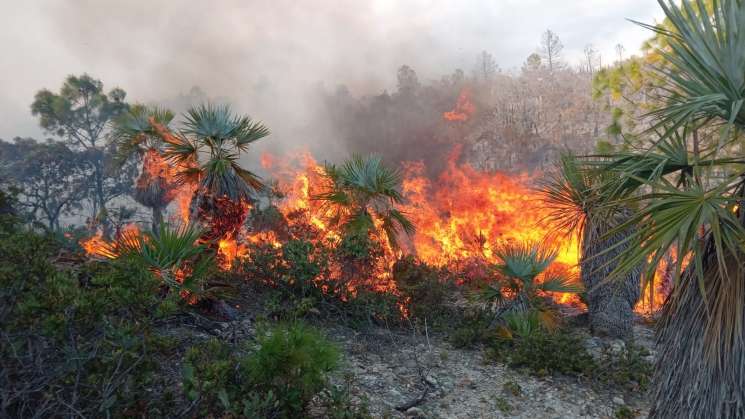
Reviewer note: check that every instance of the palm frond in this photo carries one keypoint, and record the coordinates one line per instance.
(132, 132)
(524, 261)
(556, 282)
(704, 64)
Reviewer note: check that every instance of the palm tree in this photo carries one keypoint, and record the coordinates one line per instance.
(575, 210)
(361, 196)
(524, 268)
(172, 255)
(207, 152)
(134, 136)
(689, 185)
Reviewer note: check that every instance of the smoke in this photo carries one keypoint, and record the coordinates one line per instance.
(270, 59)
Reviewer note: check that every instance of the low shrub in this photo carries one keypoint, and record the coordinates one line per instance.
(278, 377)
(473, 329)
(628, 369)
(544, 353)
(424, 288)
(77, 343)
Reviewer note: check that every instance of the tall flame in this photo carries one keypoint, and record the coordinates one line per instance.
(463, 109)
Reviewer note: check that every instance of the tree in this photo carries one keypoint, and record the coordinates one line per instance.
(156, 185)
(206, 152)
(689, 191)
(80, 113)
(551, 48)
(577, 211)
(51, 177)
(408, 82)
(361, 195)
(591, 58)
(486, 68)
(533, 62)
(620, 50)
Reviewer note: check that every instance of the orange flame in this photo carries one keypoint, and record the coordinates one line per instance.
(464, 108)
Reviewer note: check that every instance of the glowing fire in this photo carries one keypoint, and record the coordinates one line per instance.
(463, 110)
(97, 246)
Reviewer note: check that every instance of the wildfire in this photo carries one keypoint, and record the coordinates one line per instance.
(461, 216)
(463, 110)
(97, 246)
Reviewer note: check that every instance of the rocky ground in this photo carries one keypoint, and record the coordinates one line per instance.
(418, 374)
(415, 376)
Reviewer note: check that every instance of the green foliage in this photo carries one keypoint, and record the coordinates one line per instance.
(628, 369)
(292, 362)
(85, 337)
(624, 412)
(543, 353)
(80, 114)
(474, 329)
(503, 405)
(361, 191)
(288, 367)
(423, 288)
(220, 135)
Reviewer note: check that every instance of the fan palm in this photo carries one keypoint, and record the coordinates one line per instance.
(525, 269)
(689, 186)
(361, 196)
(134, 136)
(173, 255)
(207, 151)
(575, 209)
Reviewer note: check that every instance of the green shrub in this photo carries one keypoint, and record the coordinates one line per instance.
(292, 362)
(287, 368)
(525, 342)
(473, 329)
(628, 369)
(423, 288)
(76, 342)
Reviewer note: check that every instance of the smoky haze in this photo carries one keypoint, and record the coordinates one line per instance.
(270, 59)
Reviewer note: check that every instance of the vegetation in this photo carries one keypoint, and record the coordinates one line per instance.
(577, 211)
(687, 184)
(121, 331)
(524, 270)
(134, 136)
(80, 114)
(278, 378)
(361, 193)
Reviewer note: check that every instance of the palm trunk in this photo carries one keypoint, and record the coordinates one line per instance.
(610, 303)
(157, 219)
(700, 372)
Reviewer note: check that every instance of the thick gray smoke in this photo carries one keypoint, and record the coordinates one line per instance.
(270, 58)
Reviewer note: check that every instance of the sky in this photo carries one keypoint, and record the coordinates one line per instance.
(156, 49)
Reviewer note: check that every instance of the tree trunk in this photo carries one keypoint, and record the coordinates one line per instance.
(700, 372)
(157, 219)
(610, 303)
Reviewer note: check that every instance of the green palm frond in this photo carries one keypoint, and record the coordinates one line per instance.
(250, 133)
(568, 194)
(133, 133)
(363, 189)
(560, 282)
(675, 218)
(173, 253)
(218, 123)
(524, 261)
(705, 62)
(181, 150)
(221, 178)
